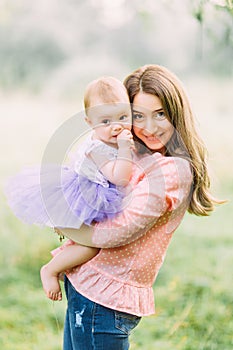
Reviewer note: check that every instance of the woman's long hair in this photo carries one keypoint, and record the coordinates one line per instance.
(185, 142)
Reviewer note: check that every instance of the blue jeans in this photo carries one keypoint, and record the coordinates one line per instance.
(91, 326)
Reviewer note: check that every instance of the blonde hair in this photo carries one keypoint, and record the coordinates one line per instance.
(105, 90)
(185, 142)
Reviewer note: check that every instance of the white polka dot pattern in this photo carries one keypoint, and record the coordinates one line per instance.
(121, 275)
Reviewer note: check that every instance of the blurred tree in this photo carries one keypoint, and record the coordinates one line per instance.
(215, 18)
(26, 63)
(67, 42)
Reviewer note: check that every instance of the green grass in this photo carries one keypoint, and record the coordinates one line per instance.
(193, 291)
(28, 320)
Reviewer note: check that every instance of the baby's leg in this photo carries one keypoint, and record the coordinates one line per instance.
(68, 258)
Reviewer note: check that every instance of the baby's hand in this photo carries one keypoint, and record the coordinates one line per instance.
(125, 139)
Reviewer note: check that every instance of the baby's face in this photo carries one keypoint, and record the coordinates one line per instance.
(108, 120)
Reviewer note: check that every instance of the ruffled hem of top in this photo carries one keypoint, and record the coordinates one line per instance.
(110, 292)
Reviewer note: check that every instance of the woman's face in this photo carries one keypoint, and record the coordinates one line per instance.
(150, 123)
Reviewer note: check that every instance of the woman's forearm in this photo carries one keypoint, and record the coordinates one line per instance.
(82, 236)
(150, 199)
(163, 187)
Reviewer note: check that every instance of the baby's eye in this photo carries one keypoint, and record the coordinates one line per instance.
(105, 121)
(160, 116)
(123, 117)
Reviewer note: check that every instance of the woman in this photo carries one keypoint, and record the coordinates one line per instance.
(108, 295)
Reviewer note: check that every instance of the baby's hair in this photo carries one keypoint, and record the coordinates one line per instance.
(105, 90)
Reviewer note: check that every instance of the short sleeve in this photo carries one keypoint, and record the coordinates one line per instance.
(98, 148)
(159, 185)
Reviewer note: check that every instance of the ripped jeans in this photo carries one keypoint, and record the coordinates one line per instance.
(91, 326)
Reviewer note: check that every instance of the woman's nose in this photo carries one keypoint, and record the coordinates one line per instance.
(150, 127)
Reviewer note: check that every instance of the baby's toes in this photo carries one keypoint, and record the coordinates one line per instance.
(52, 296)
(59, 296)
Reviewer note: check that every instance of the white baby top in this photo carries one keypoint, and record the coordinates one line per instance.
(84, 164)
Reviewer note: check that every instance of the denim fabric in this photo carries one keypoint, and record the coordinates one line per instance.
(91, 326)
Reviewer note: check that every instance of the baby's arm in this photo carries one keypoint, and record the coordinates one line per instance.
(121, 171)
(118, 171)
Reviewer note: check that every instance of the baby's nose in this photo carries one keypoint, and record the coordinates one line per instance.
(117, 127)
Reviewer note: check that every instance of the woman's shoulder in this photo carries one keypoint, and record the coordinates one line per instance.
(176, 170)
(169, 160)
(168, 167)
(160, 160)
(178, 161)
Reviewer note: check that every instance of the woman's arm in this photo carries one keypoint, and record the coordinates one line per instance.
(82, 236)
(162, 185)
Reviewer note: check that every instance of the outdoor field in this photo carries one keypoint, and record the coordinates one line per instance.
(49, 52)
(194, 288)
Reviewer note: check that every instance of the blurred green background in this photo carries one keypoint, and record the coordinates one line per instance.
(49, 51)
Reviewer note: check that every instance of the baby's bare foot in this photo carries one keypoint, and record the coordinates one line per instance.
(50, 283)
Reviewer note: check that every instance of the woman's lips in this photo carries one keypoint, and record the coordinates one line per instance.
(152, 138)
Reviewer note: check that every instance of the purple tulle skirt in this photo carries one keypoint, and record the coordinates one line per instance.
(57, 196)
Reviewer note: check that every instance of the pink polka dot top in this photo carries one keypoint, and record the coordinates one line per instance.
(135, 242)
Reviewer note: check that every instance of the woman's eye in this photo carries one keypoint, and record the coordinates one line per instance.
(137, 116)
(160, 116)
